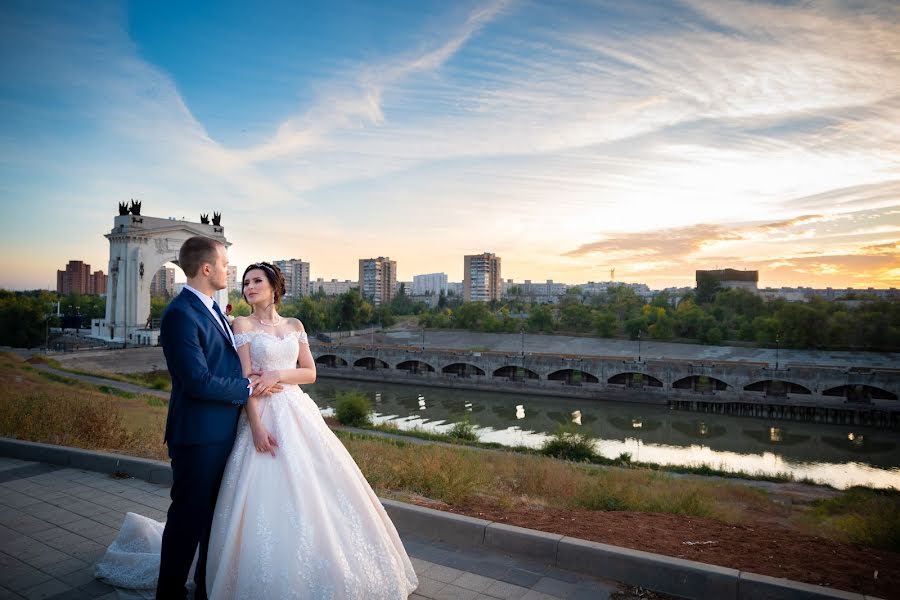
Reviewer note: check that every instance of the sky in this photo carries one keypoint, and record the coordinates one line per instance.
(570, 138)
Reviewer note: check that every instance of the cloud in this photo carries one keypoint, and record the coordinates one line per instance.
(672, 243)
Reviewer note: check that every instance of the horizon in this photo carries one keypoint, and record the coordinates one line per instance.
(569, 139)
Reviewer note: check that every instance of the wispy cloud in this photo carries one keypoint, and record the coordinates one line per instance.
(569, 137)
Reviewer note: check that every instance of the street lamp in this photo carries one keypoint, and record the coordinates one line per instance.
(777, 346)
(640, 332)
(523, 342)
(423, 339)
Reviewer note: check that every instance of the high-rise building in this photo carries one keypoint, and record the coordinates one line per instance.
(378, 279)
(481, 277)
(78, 279)
(430, 283)
(296, 276)
(98, 283)
(232, 283)
(163, 283)
(331, 288)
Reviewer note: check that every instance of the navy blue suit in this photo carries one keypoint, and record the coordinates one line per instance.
(208, 391)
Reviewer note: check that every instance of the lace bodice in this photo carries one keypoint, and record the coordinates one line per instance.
(270, 352)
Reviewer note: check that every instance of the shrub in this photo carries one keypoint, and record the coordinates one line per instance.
(353, 409)
(463, 430)
(570, 443)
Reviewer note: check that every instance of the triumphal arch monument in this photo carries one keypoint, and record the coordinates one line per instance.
(138, 247)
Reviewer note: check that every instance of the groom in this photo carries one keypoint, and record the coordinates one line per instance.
(208, 391)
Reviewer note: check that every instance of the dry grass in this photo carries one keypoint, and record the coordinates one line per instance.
(54, 411)
(454, 475)
(38, 408)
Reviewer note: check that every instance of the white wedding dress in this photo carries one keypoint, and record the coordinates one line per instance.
(304, 524)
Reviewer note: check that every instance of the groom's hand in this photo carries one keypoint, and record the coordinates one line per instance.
(265, 383)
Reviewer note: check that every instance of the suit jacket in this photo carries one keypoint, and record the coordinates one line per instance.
(208, 387)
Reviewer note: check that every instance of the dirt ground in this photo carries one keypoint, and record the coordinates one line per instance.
(765, 548)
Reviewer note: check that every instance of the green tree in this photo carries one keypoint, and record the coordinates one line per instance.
(707, 286)
(575, 316)
(471, 315)
(540, 318)
(350, 311)
(23, 320)
(605, 323)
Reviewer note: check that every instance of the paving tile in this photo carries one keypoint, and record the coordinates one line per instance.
(44, 558)
(49, 534)
(420, 566)
(96, 588)
(490, 570)
(520, 577)
(471, 581)
(6, 594)
(78, 578)
(16, 499)
(429, 587)
(64, 567)
(554, 587)
(17, 576)
(536, 595)
(27, 524)
(88, 528)
(54, 515)
(87, 551)
(444, 574)
(505, 591)
(47, 589)
(71, 594)
(66, 541)
(453, 592)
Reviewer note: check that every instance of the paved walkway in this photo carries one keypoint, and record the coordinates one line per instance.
(55, 523)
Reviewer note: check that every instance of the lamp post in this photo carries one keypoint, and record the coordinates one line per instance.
(423, 339)
(640, 332)
(777, 347)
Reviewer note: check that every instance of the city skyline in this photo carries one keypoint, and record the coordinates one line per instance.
(569, 139)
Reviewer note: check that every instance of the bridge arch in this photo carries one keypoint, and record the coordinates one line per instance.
(777, 387)
(515, 373)
(331, 360)
(860, 393)
(462, 369)
(700, 383)
(634, 380)
(415, 366)
(371, 363)
(573, 376)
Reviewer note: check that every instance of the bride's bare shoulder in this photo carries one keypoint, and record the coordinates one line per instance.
(295, 324)
(241, 325)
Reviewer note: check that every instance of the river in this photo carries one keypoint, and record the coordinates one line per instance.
(838, 455)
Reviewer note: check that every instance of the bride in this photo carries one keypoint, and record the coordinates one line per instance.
(294, 517)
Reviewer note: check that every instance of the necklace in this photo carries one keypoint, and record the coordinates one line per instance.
(267, 324)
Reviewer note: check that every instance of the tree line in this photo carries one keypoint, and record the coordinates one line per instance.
(707, 315)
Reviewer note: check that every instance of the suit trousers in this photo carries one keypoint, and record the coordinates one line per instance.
(196, 475)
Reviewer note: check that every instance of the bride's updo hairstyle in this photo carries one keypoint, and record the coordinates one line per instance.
(273, 274)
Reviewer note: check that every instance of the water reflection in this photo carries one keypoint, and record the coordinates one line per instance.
(835, 454)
